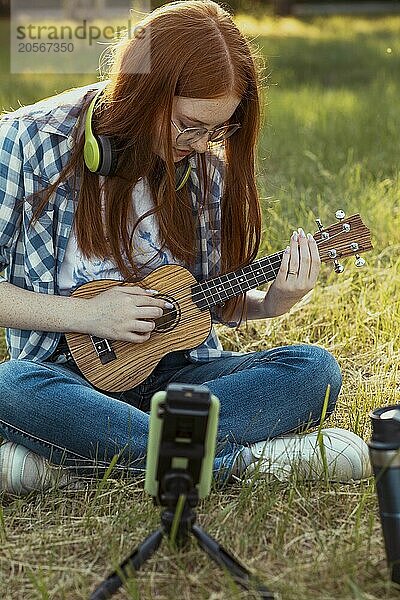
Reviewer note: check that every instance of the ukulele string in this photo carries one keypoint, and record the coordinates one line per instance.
(191, 314)
(266, 259)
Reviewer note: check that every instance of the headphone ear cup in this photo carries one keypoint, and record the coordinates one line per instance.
(182, 174)
(99, 151)
(106, 161)
(92, 153)
(114, 155)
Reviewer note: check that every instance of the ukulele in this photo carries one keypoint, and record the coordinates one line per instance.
(114, 366)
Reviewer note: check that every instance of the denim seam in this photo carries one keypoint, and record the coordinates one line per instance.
(67, 453)
(41, 441)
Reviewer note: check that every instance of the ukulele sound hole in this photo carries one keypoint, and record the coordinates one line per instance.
(170, 318)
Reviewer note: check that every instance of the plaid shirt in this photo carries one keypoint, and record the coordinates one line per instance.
(35, 145)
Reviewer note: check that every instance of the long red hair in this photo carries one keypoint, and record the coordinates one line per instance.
(196, 51)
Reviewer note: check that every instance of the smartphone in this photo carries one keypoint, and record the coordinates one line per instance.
(182, 435)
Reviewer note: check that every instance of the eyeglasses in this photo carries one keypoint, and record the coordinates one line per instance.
(192, 135)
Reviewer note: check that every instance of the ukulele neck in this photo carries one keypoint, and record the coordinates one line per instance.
(220, 289)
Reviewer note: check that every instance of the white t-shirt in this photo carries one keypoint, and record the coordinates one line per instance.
(76, 269)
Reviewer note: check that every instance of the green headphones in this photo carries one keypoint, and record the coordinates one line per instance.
(100, 152)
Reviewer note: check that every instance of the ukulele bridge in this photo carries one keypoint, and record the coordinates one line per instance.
(103, 349)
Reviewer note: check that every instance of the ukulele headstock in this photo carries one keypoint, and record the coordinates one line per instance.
(348, 237)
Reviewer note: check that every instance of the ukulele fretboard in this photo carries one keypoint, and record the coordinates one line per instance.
(219, 289)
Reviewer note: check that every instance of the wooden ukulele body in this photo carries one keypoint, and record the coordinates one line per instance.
(181, 328)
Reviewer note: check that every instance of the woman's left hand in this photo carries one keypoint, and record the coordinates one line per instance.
(297, 275)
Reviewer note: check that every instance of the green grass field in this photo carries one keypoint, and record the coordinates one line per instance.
(330, 141)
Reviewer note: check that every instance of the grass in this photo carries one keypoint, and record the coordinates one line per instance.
(329, 141)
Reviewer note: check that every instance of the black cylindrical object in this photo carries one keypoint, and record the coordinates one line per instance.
(384, 450)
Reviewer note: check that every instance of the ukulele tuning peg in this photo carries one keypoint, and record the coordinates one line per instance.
(338, 267)
(319, 224)
(340, 215)
(359, 262)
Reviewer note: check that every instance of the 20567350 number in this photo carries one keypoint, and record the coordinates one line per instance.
(45, 47)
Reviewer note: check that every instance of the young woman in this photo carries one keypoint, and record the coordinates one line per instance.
(68, 216)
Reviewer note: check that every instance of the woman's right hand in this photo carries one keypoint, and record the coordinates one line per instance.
(125, 313)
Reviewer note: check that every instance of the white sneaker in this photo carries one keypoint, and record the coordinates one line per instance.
(346, 456)
(22, 471)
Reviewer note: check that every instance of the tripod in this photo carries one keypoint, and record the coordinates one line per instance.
(178, 521)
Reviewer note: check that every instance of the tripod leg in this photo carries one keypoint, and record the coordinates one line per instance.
(141, 553)
(221, 556)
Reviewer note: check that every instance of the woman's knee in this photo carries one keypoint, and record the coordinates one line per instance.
(9, 372)
(19, 378)
(324, 373)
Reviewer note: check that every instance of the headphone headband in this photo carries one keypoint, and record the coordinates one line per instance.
(89, 113)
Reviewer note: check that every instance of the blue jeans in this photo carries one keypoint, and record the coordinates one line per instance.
(53, 410)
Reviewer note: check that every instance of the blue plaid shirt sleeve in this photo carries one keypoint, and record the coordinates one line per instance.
(11, 187)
